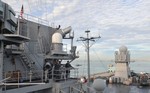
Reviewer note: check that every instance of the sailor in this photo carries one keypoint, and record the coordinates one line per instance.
(68, 67)
(63, 72)
(58, 27)
(47, 70)
(57, 70)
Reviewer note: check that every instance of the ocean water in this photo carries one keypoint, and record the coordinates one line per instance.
(97, 67)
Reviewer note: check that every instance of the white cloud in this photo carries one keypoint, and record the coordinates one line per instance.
(120, 22)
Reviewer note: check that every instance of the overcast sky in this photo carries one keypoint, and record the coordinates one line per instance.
(119, 22)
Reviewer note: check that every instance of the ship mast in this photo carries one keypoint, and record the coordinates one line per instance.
(87, 45)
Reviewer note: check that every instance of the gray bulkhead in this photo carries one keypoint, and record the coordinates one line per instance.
(24, 46)
(37, 47)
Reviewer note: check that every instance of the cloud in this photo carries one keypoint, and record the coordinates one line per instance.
(119, 22)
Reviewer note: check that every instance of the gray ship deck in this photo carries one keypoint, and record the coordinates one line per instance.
(118, 88)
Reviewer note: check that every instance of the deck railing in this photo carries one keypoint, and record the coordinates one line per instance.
(63, 74)
(33, 77)
(32, 18)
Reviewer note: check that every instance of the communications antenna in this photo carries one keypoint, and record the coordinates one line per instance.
(86, 41)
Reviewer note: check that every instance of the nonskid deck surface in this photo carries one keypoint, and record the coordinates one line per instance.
(119, 88)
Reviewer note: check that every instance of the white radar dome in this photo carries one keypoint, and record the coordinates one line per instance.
(123, 49)
(99, 84)
(57, 38)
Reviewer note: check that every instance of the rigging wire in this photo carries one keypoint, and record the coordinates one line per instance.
(18, 1)
(53, 22)
(84, 61)
(39, 4)
(94, 42)
(29, 5)
(84, 65)
(84, 45)
(46, 9)
(105, 68)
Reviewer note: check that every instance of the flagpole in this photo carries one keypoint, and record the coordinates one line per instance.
(21, 12)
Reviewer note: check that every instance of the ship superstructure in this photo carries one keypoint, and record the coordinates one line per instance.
(31, 55)
(122, 60)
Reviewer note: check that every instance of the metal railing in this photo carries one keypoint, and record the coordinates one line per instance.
(63, 74)
(19, 78)
(25, 76)
(33, 18)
